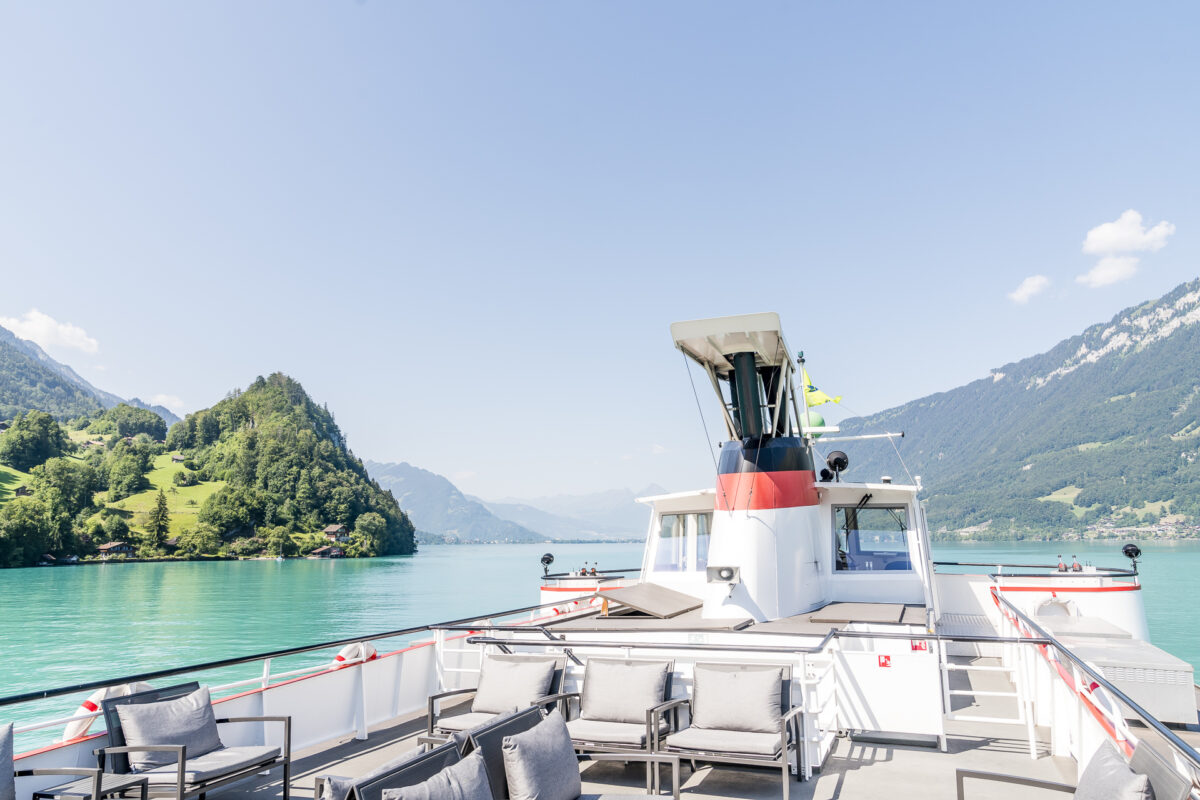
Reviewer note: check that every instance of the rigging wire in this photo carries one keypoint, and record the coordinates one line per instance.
(704, 423)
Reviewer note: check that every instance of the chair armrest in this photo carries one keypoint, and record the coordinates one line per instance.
(561, 699)
(433, 711)
(647, 758)
(86, 771)
(178, 749)
(962, 774)
(661, 710)
(791, 714)
(287, 729)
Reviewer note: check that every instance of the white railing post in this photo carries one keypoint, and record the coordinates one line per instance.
(266, 673)
(362, 701)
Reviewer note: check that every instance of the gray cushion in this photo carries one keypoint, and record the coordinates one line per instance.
(616, 691)
(465, 722)
(540, 764)
(186, 720)
(1108, 777)
(338, 788)
(464, 780)
(737, 699)
(715, 741)
(506, 686)
(214, 764)
(8, 786)
(601, 732)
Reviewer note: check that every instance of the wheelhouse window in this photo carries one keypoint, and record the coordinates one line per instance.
(871, 539)
(671, 554)
(682, 542)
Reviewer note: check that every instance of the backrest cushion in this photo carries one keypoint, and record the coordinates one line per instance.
(1166, 782)
(1108, 777)
(112, 721)
(408, 770)
(465, 780)
(622, 691)
(737, 698)
(506, 686)
(187, 720)
(489, 740)
(8, 786)
(540, 764)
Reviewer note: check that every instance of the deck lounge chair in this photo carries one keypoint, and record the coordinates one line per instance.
(615, 708)
(170, 736)
(507, 683)
(739, 714)
(409, 770)
(1106, 775)
(87, 783)
(493, 739)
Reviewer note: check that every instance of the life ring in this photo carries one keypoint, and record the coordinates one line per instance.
(356, 653)
(79, 727)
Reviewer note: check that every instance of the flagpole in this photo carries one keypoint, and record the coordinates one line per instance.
(804, 394)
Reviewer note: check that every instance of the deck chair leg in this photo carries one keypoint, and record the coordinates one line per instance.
(287, 780)
(786, 783)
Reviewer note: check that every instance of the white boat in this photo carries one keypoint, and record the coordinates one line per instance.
(909, 676)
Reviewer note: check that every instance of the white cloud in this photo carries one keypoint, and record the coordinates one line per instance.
(1127, 234)
(657, 449)
(169, 400)
(1034, 284)
(1109, 270)
(49, 333)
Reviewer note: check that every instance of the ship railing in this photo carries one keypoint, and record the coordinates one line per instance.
(1097, 707)
(1039, 570)
(601, 576)
(266, 678)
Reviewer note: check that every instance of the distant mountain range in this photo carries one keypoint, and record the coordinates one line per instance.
(1102, 430)
(31, 379)
(442, 513)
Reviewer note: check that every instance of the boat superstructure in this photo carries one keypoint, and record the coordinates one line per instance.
(906, 668)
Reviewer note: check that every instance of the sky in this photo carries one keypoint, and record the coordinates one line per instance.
(466, 227)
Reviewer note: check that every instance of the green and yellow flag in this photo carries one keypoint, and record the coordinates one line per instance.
(814, 396)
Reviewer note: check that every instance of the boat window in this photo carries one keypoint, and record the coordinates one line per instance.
(871, 538)
(671, 553)
(703, 529)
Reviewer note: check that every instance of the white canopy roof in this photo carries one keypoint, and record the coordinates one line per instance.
(708, 341)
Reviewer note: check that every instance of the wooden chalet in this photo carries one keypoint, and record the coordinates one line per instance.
(337, 533)
(115, 549)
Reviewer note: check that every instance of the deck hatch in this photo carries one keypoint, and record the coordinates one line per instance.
(657, 601)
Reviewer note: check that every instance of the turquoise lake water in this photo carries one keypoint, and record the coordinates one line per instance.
(63, 626)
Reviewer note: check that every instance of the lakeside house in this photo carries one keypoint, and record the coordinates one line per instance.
(23, 491)
(328, 551)
(115, 549)
(337, 533)
(176, 458)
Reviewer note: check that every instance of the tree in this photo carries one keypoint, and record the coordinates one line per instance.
(130, 421)
(279, 541)
(201, 541)
(32, 438)
(24, 530)
(116, 528)
(159, 524)
(372, 528)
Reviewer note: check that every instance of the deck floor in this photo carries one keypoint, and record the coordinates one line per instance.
(854, 769)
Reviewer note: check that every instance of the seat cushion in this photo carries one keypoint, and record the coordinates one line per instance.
(506, 686)
(8, 786)
(1108, 776)
(737, 698)
(465, 722)
(465, 780)
(621, 691)
(216, 764)
(186, 720)
(736, 742)
(540, 764)
(622, 733)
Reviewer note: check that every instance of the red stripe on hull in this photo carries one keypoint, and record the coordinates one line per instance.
(753, 491)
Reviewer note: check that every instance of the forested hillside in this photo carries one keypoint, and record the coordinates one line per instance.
(286, 468)
(32, 380)
(1101, 431)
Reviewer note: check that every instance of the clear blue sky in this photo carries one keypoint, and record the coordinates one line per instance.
(467, 226)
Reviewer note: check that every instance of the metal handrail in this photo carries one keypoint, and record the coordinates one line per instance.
(1101, 572)
(229, 662)
(1147, 718)
(599, 572)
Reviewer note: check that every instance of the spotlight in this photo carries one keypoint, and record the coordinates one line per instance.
(547, 560)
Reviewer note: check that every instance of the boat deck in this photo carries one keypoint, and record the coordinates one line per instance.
(854, 769)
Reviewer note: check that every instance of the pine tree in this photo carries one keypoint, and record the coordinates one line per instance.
(159, 524)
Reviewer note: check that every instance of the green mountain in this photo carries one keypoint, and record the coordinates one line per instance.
(31, 379)
(1101, 431)
(441, 512)
(286, 467)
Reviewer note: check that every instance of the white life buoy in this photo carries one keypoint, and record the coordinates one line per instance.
(356, 653)
(79, 727)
